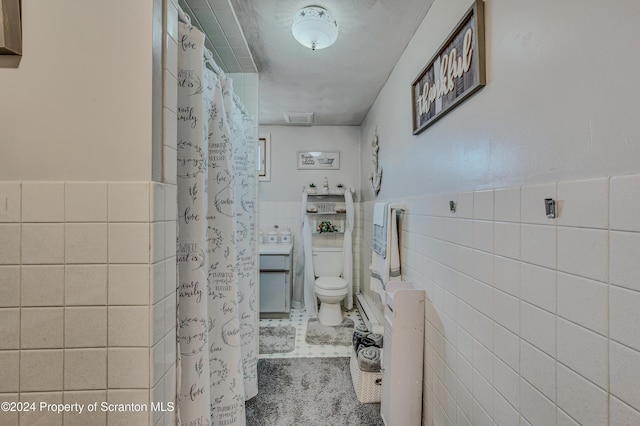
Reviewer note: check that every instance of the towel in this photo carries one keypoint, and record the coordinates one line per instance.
(376, 338)
(359, 332)
(364, 342)
(361, 328)
(380, 213)
(369, 359)
(357, 337)
(380, 225)
(385, 269)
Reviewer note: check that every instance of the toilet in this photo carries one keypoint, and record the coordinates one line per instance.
(329, 285)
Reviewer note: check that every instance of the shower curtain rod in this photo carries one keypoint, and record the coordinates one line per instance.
(208, 59)
(208, 56)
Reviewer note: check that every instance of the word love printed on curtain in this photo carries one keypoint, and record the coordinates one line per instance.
(217, 323)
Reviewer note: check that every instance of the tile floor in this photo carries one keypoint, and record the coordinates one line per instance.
(299, 319)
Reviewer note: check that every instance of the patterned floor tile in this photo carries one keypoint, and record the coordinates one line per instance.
(298, 319)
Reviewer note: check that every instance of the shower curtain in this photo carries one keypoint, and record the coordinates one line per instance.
(217, 319)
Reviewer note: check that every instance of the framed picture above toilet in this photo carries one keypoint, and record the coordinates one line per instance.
(327, 160)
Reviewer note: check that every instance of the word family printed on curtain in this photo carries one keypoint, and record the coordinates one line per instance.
(217, 319)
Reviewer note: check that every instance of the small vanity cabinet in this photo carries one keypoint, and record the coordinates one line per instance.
(275, 280)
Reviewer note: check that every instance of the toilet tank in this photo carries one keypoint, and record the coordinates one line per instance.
(328, 261)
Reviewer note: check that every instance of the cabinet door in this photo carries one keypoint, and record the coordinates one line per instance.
(271, 262)
(273, 291)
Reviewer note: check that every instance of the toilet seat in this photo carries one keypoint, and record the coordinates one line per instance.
(330, 283)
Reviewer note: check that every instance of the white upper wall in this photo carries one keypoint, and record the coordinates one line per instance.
(560, 102)
(78, 106)
(287, 181)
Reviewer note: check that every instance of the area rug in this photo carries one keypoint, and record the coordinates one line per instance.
(277, 339)
(308, 392)
(339, 335)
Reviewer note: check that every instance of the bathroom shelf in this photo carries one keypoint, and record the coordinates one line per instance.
(327, 233)
(324, 213)
(324, 194)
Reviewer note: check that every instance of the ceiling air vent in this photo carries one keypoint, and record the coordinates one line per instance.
(298, 118)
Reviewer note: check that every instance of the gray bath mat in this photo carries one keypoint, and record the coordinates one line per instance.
(308, 392)
(277, 339)
(339, 335)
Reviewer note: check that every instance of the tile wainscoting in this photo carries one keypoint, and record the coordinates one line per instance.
(87, 298)
(529, 320)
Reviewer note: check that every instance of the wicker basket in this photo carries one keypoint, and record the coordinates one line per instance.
(367, 385)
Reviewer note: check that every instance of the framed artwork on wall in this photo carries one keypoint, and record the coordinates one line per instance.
(10, 28)
(454, 73)
(318, 160)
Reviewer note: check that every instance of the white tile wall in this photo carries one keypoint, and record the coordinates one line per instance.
(623, 257)
(85, 201)
(9, 286)
(42, 243)
(42, 285)
(581, 399)
(43, 202)
(625, 203)
(565, 302)
(85, 285)
(76, 290)
(539, 369)
(10, 201)
(583, 351)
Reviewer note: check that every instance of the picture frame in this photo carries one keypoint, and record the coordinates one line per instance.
(264, 157)
(318, 160)
(10, 28)
(453, 74)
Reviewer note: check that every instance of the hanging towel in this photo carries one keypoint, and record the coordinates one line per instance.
(385, 269)
(380, 225)
(369, 359)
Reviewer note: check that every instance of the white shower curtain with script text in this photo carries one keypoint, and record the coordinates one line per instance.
(217, 319)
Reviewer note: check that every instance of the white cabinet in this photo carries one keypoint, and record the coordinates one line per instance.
(401, 403)
(275, 280)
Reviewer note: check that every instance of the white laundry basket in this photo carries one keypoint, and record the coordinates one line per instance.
(368, 385)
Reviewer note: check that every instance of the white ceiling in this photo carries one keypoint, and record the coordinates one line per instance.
(340, 83)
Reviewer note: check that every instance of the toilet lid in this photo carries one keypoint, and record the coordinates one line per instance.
(331, 283)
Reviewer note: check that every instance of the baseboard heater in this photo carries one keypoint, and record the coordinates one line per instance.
(371, 318)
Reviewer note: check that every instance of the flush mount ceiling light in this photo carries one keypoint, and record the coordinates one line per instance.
(314, 27)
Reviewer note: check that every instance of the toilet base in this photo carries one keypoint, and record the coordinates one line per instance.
(330, 314)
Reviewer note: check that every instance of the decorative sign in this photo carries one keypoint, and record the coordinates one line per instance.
(376, 175)
(319, 160)
(10, 31)
(455, 72)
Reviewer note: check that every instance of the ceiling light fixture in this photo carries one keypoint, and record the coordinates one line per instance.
(314, 27)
